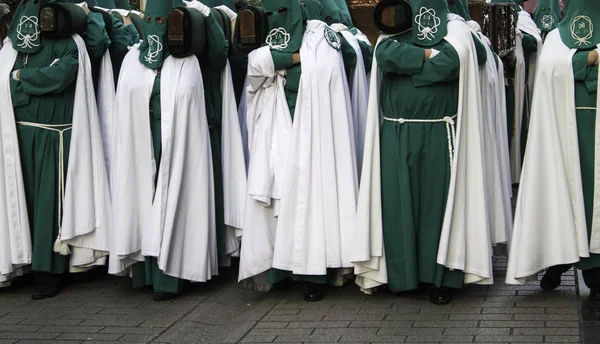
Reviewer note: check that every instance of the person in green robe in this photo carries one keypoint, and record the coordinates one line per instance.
(419, 85)
(585, 73)
(43, 89)
(547, 16)
(154, 32)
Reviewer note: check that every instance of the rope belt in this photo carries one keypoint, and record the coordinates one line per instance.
(450, 134)
(59, 246)
(585, 108)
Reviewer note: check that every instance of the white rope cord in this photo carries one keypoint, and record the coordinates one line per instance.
(59, 246)
(450, 134)
(585, 108)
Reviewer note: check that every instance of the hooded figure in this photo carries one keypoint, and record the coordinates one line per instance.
(556, 222)
(419, 218)
(53, 169)
(547, 16)
(520, 71)
(302, 179)
(165, 212)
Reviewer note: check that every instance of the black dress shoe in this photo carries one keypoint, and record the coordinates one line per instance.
(314, 292)
(46, 286)
(440, 296)
(284, 284)
(551, 280)
(162, 296)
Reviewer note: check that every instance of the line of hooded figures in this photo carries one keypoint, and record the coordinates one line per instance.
(160, 145)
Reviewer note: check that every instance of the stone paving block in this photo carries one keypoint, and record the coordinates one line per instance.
(393, 310)
(511, 339)
(72, 329)
(355, 317)
(131, 330)
(356, 333)
(53, 341)
(410, 330)
(272, 324)
(480, 317)
(384, 323)
(511, 324)
(548, 316)
(28, 335)
(455, 310)
(258, 339)
(562, 310)
(562, 324)
(307, 339)
(372, 338)
(547, 331)
(8, 341)
(447, 323)
(562, 339)
(34, 313)
(11, 321)
(302, 304)
(20, 328)
(129, 311)
(91, 336)
(136, 338)
(112, 322)
(421, 316)
(156, 323)
(478, 331)
(286, 311)
(281, 331)
(318, 324)
(435, 338)
(95, 317)
(120, 304)
(52, 322)
(511, 310)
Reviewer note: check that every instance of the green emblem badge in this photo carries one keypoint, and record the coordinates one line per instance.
(582, 30)
(333, 39)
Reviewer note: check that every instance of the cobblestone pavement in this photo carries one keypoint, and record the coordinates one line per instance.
(222, 312)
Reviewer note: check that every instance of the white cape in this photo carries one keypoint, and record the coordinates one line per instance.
(359, 91)
(550, 224)
(86, 205)
(466, 222)
(318, 203)
(176, 223)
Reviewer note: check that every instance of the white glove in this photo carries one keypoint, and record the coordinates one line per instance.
(14, 75)
(433, 53)
(195, 4)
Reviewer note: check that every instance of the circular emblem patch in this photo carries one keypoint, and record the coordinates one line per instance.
(427, 24)
(582, 30)
(332, 38)
(547, 21)
(278, 38)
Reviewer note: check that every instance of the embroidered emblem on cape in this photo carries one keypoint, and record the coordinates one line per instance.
(427, 23)
(154, 48)
(28, 32)
(332, 38)
(547, 21)
(278, 38)
(582, 30)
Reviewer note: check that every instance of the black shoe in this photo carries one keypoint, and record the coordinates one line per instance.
(594, 295)
(440, 296)
(88, 276)
(284, 284)
(551, 280)
(46, 286)
(314, 292)
(162, 296)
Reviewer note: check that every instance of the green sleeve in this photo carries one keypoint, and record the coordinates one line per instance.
(400, 58)
(349, 55)
(133, 33)
(481, 51)
(96, 40)
(120, 39)
(585, 73)
(281, 60)
(52, 79)
(529, 43)
(367, 54)
(215, 54)
(444, 67)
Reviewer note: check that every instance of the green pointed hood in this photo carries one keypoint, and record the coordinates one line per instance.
(460, 7)
(286, 20)
(24, 30)
(430, 21)
(331, 13)
(153, 50)
(547, 15)
(346, 19)
(122, 5)
(580, 28)
(313, 8)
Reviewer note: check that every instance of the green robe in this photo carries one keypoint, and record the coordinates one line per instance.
(121, 38)
(415, 164)
(45, 95)
(586, 87)
(148, 272)
(97, 43)
(530, 45)
(212, 63)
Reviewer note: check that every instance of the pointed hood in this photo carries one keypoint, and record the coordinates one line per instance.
(153, 50)
(286, 20)
(460, 7)
(577, 29)
(331, 13)
(547, 15)
(313, 8)
(24, 30)
(430, 21)
(122, 5)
